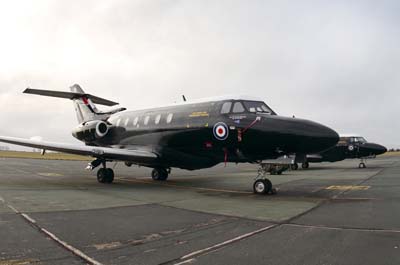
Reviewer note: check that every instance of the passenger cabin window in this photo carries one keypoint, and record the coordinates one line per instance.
(226, 107)
(135, 121)
(169, 118)
(157, 119)
(238, 107)
(146, 120)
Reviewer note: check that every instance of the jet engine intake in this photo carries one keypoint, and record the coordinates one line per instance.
(90, 131)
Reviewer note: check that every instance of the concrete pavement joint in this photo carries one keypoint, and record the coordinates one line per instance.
(190, 256)
(65, 245)
(185, 187)
(343, 228)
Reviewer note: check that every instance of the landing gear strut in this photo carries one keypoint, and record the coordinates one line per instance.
(160, 174)
(262, 185)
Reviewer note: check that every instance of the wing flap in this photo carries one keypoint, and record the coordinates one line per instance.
(139, 156)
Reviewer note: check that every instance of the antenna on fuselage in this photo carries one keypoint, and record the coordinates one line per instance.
(184, 98)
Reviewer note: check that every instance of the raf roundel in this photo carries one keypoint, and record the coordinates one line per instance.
(221, 131)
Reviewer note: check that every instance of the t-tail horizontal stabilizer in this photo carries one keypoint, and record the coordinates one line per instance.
(84, 103)
(70, 95)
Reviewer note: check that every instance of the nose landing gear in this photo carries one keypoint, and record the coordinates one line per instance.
(262, 185)
(362, 164)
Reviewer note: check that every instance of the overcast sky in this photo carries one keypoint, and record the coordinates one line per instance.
(335, 62)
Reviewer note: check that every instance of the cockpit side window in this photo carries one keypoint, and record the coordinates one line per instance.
(257, 106)
(357, 140)
(238, 107)
(226, 107)
(361, 140)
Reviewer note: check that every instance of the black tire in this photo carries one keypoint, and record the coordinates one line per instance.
(102, 175)
(109, 175)
(305, 165)
(159, 174)
(294, 166)
(164, 174)
(262, 186)
(362, 165)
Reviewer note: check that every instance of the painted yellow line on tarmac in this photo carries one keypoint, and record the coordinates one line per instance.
(348, 187)
(19, 262)
(185, 187)
(50, 174)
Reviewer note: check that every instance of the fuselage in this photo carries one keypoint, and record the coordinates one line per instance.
(349, 147)
(203, 134)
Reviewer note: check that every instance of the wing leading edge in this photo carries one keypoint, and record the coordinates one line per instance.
(138, 156)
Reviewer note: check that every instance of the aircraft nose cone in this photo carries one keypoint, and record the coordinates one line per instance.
(300, 136)
(375, 149)
(381, 149)
(318, 137)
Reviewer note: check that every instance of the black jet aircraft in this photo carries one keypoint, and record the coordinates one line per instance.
(190, 135)
(348, 147)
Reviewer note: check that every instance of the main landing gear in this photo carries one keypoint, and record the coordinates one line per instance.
(160, 174)
(104, 174)
(305, 165)
(262, 185)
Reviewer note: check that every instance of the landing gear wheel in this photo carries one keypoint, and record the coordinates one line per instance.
(159, 174)
(105, 175)
(262, 186)
(101, 175)
(305, 165)
(362, 165)
(109, 175)
(294, 166)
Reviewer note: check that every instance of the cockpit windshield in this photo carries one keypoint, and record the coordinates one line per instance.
(358, 140)
(258, 107)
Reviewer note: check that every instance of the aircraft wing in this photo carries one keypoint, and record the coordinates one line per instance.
(139, 156)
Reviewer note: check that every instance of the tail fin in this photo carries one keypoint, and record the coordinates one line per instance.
(84, 107)
(83, 103)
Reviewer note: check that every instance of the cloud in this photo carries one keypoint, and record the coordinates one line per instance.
(331, 61)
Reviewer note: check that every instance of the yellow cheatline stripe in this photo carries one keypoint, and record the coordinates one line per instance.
(348, 187)
(199, 114)
(183, 186)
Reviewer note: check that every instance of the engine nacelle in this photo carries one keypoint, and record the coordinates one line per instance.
(90, 131)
